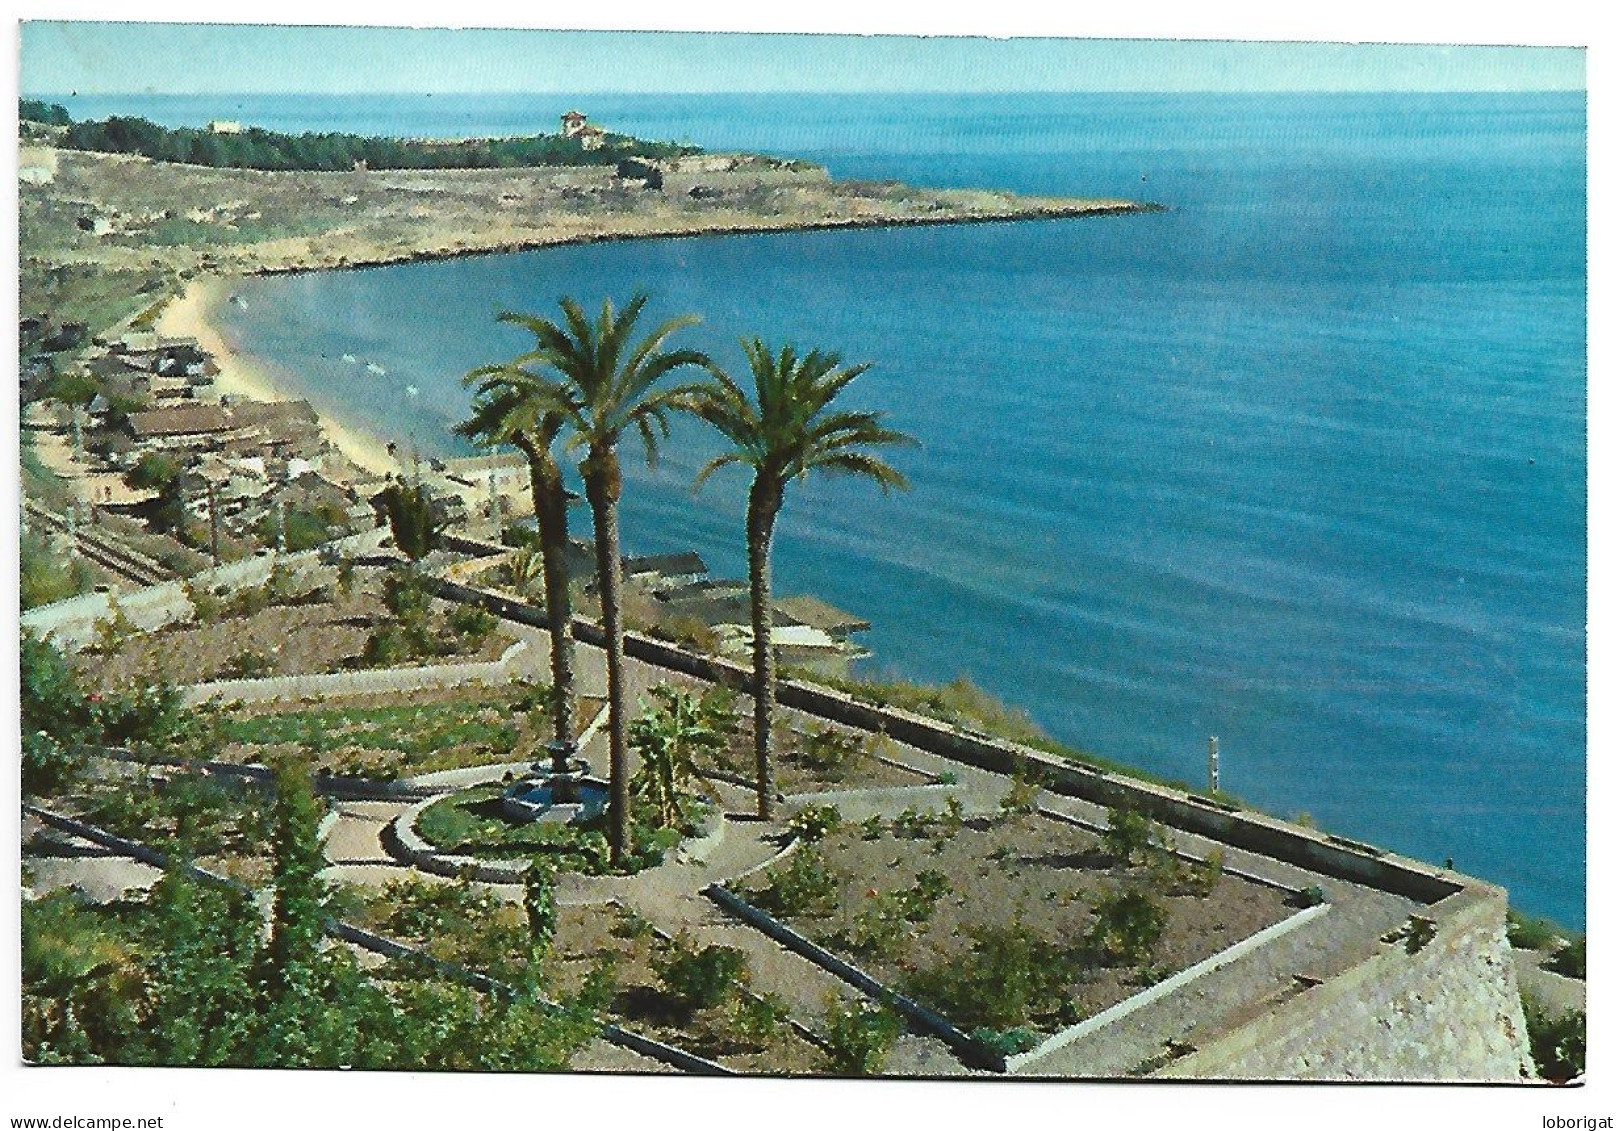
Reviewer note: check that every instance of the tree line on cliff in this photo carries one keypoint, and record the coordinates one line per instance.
(254, 148)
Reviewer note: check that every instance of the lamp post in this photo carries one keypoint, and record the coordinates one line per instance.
(1211, 764)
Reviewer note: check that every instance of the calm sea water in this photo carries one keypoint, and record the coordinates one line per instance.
(1299, 463)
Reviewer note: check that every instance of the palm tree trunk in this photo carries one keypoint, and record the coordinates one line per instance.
(552, 527)
(759, 537)
(603, 493)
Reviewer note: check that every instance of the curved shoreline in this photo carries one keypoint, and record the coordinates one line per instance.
(541, 242)
(243, 374)
(247, 375)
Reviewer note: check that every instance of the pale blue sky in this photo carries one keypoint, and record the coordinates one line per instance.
(107, 58)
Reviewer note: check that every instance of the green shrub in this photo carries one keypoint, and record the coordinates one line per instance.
(1310, 896)
(1557, 1041)
(755, 1021)
(1529, 933)
(247, 664)
(813, 823)
(831, 753)
(1202, 878)
(472, 624)
(1132, 837)
(540, 908)
(1128, 925)
(1007, 1041)
(700, 978)
(1008, 975)
(860, 1037)
(807, 885)
(1569, 961)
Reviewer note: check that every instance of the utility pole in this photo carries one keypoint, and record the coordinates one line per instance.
(214, 525)
(1211, 764)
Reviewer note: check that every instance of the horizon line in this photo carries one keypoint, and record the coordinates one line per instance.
(791, 93)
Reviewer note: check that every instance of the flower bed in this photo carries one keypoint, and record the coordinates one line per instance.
(472, 822)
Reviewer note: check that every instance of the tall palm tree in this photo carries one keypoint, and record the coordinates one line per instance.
(785, 431)
(607, 385)
(514, 405)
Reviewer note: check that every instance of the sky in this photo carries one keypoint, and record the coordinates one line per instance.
(124, 58)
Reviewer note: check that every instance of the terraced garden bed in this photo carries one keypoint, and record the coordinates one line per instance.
(381, 737)
(1015, 926)
(468, 925)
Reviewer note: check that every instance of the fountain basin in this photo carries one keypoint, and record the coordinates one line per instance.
(544, 800)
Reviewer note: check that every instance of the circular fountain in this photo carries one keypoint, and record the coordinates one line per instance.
(560, 793)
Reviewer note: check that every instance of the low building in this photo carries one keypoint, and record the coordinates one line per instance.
(661, 572)
(225, 126)
(181, 426)
(814, 612)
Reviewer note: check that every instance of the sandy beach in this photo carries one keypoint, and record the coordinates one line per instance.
(243, 375)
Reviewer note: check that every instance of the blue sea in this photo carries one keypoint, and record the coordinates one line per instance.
(1299, 462)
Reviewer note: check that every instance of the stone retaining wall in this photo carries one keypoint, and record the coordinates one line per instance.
(370, 681)
(1449, 1012)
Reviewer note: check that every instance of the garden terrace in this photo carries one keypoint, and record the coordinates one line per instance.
(1013, 925)
(652, 985)
(272, 630)
(381, 737)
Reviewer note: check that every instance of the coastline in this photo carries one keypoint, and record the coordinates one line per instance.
(191, 315)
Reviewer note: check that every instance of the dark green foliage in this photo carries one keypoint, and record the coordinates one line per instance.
(813, 823)
(46, 575)
(831, 753)
(473, 624)
(860, 1037)
(700, 978)
(1007, 1041)
(1557, 1041)
(415, 519)
(1569, 961)
(1129, 924)
(337, 152)
(1310, 896)
(48, 113)
(1008, 976)
(540, 908)
(154, 471)
(806, 885)
(1132, 837)
(670, 739)
(1528, 933)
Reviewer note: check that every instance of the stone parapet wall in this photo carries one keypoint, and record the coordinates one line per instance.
(1447, 1012)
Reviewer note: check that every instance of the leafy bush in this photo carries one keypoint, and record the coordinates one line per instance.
(1557, 1041)
(1024, 789)
(700, 978)
(755, 1021)
(472, 624)
(860, 1037)
(669, 740)
(813, 823)
(1129, 924)
(248, 664)
(1569, 960)
(1132, 837)
(540, 909)
(1528, 933)
(1202, 878)
(1310, 896)
(807, 885)
(1008, 975)
(831, 753)
(1007, 1041)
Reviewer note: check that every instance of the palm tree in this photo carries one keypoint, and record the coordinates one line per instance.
(606, 387)
(512, 405)
(786, 430)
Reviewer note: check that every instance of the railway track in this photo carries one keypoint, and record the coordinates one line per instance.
(103, 550)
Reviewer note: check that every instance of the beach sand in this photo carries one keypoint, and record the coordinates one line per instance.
(243, 375)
